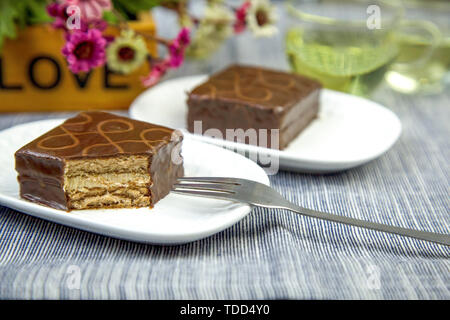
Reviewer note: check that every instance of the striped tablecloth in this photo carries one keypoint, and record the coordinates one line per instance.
(271, 253)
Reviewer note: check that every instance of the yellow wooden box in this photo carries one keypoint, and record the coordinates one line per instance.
(34, 74)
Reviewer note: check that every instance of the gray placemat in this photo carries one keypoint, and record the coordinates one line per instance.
(269, 254)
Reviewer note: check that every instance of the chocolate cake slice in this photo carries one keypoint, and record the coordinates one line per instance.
(244, 97)
(100, 160)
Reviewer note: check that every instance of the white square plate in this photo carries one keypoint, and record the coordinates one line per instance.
(348, 132)
(174, 219)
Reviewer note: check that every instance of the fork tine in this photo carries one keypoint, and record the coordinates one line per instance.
(205, 186)
(207, 194)
(234, 181)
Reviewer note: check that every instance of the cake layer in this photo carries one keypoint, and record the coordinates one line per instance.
(110, 201)
(129, 192)
(107, 180)
(120, 164)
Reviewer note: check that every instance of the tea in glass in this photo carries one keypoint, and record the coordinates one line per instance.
(331, 41)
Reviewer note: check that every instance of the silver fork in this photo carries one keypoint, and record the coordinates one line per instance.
(258, 194)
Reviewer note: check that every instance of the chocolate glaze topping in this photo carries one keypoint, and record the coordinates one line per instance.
(99, 134)
(258, 87)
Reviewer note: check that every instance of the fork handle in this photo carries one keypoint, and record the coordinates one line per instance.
(422, 235)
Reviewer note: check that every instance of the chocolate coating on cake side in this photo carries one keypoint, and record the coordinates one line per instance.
(252, 97)
(93, 135)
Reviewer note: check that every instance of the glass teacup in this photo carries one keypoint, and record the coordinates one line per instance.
(347, 45)
(423, 63)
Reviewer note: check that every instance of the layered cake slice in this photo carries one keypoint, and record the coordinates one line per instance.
(243, 97)
(100, 160)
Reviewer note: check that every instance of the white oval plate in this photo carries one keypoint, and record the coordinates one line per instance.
(174, 219)
(348, 132)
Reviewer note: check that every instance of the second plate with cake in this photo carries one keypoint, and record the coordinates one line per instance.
(348, 131)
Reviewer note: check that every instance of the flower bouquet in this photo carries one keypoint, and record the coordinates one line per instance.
(100, 54)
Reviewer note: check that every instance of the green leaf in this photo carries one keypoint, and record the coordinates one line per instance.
(129, 9)
(110, 17)
(37, 12)
(20, 13)
(8, 14)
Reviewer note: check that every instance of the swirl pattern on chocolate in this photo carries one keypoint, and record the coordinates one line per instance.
(92, 134)
(255, 86)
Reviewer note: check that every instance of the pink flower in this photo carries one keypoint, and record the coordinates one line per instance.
(158, 70)
(55, 9)
(84, 50)
(176, 55)
(58, 11)
(184, 37)
(177, 48)
(241, 13)
(90, 9)
(99, 24)
(174, 59)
